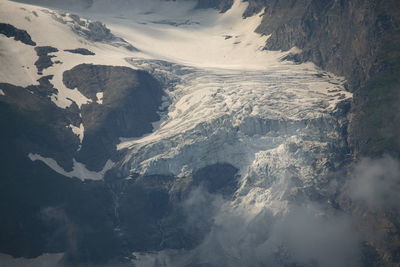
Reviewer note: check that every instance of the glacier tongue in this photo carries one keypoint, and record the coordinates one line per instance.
(282, 127)
(285, 116)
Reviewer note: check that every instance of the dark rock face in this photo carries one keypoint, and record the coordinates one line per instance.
(148, 224)
(375, 126)
(38, 125)
(31, 123)
(45, 87)
(222, 5)
(360, 41)
(355, 39)
(325, 30)
(217, 178)
(44, 61)
(158, 220)
(82, 51)
(97, 32)
(130, 104)
(49, 213)
(19, 35)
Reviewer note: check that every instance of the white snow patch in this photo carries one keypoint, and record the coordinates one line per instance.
(79, 170)
(2, 92)
(79, 131)
(99, 97)
(18, 59)
(17, 62)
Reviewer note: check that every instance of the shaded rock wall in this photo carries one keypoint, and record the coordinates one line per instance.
(18, 34)
(130, 102)
(355, 39)
(222, 5)
(360, 41)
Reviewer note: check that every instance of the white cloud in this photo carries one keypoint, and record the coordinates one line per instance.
(376, 182)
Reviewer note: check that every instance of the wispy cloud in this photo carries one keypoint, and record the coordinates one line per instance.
(376, 182)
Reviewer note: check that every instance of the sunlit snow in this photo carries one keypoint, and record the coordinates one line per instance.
(79, 170)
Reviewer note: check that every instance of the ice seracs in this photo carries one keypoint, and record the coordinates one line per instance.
(244, 111)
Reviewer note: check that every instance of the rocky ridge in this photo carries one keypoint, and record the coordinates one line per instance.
(19, 35)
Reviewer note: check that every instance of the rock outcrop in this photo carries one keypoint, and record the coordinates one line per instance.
(358, 40)
(125, 103)
(94, 31)
(81, 51)
(44, 61)
(46, 210)
(354, 39)
(19, 35)
(222, 5)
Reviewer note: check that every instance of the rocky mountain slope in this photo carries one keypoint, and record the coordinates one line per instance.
(358, 40)
(171, 134)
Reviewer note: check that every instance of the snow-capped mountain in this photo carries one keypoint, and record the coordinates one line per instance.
(163, 133)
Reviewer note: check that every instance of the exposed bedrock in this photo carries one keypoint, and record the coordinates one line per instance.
(130, 101)
(358, 40)
(82, 51)
(222, 5)
(44, 61)
(355, 39)
(52, 213)
(18, 34)
(35, 125)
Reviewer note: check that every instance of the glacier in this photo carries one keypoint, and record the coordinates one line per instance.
(281, 127)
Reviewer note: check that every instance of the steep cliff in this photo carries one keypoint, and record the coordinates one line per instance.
(360, 41)
(222, 5)
(355, 39)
